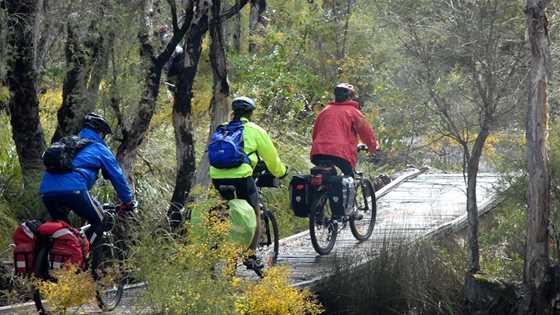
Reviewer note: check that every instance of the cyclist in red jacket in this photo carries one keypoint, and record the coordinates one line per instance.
(337, 130)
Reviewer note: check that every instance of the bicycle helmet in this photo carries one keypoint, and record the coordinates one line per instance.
(243, 104)
(344, 91)
(96, 122)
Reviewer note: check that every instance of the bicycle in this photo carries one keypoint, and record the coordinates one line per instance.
(269, 241)
(324, 222)
(270, 235)
(105, 261)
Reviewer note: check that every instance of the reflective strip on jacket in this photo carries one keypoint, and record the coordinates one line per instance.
(337, 129)
(255, 140)
(88, 162)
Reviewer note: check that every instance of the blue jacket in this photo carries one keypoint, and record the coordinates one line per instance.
(89, 161)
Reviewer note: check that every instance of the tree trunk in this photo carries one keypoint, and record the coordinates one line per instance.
(236, 33)
(182, 117)
(37, 31)
(87, 59)
(232, 32)
(258, 7)
(133, 134)
(74, 98)
(472, 207)
(219, 106)
(24, 103)
(538, 195)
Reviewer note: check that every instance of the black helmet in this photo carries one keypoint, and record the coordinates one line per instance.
(97, 123)
(243, 104)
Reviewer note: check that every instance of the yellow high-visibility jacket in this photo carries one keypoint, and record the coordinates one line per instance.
(257, 143)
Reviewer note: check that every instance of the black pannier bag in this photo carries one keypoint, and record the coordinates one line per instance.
(300, 195)
(341, 194)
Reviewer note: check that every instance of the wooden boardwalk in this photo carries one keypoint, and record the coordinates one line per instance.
(413, 206)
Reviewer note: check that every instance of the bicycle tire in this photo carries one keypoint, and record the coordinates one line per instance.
(319, 220)
(41, 271)
(368, 211)
(106, 256)
(273, 239)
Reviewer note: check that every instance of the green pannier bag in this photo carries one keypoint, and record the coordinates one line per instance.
(241, 216)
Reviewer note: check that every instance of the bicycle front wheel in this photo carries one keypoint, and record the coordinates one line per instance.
(109, 272)
(269, 243)
(41, 271)
(322, 226)
(363, 220)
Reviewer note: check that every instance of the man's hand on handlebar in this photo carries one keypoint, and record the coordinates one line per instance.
(127, 208)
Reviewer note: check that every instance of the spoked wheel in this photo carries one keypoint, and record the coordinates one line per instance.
(269, 245)
(362, 223)
(41, 271)
(322, 226)
(109, 273)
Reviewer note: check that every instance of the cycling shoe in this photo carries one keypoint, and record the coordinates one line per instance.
(253, 263)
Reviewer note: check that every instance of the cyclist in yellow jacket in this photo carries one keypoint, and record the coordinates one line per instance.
(257, 145)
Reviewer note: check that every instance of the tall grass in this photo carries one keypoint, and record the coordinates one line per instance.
(402, 278)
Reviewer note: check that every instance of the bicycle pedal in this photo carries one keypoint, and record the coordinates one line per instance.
(357, 216)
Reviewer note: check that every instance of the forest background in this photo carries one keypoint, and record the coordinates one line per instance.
(438, 79)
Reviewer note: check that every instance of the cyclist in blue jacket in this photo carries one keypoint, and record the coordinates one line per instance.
(71, 190)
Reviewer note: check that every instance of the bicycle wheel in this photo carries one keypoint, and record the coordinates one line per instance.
(269, 243)
(41, 271)
(322, 226)
(366, 210)
(109, 272)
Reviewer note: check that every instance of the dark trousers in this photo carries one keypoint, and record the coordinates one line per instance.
(80, 201)
(342, 164)
(245, 188)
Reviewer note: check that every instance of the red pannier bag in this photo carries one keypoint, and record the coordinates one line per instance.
(69, 246)
(24, 239)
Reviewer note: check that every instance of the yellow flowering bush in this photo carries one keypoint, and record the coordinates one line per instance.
(73, 288)
(197, 274)
(274, 295)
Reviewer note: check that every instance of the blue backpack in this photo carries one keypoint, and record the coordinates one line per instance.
(226, 146)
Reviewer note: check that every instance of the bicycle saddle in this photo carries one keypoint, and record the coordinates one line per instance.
(323, 170)
(228, 191)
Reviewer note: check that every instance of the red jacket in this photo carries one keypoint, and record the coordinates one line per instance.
(337, 129)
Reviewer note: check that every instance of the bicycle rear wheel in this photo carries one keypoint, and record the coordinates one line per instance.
(322, 226)
(109, 272)
(269, 243)
(366, 211)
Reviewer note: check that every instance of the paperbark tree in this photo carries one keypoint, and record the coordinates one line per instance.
(256, 20)
(537, 274)
(153, 62)
(87, 58)
(24, 103)
(182, 114)
(471, 72)
(236, 33)
(182, 109)
(219, 105)
(21, 79)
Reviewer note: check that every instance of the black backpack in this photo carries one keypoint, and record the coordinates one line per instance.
(58, 157)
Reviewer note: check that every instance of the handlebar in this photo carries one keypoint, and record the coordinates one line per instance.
(263, 177)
